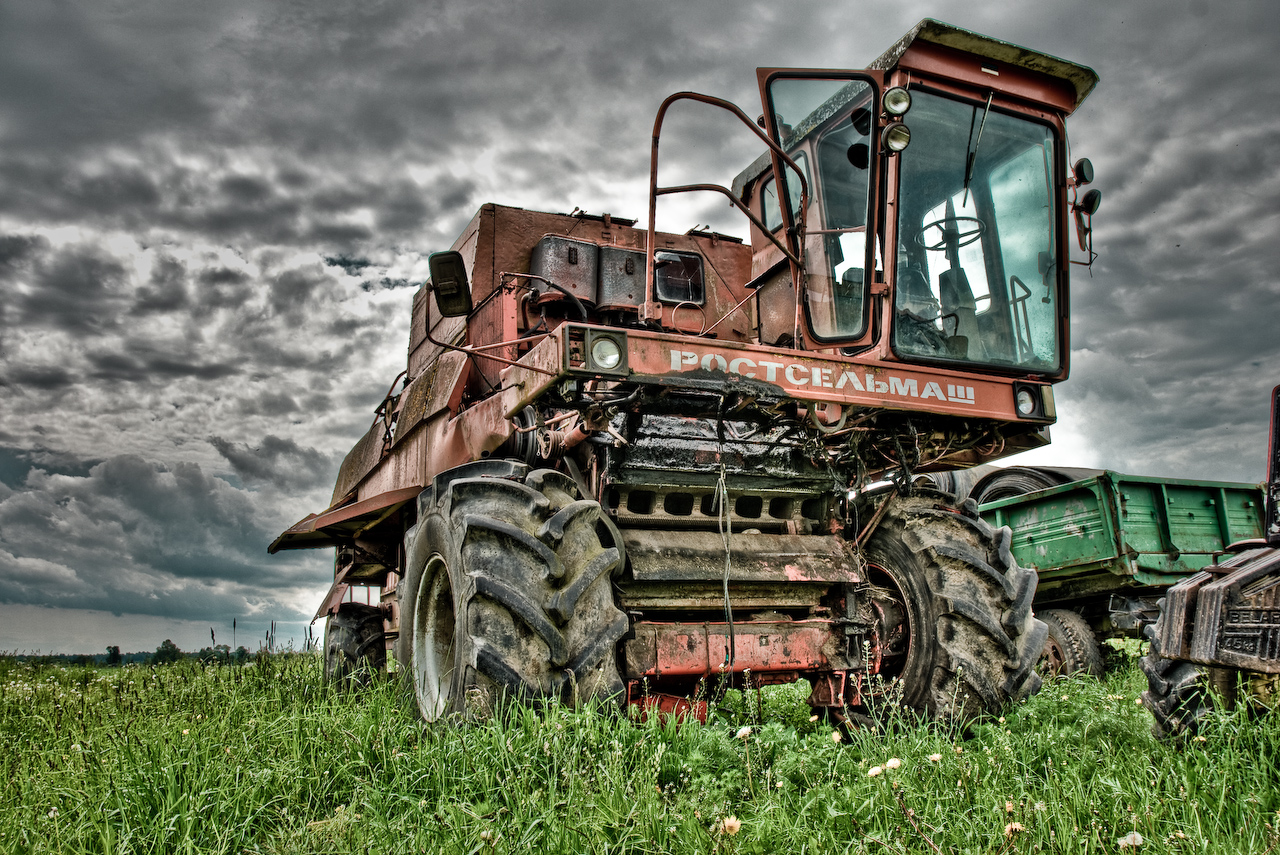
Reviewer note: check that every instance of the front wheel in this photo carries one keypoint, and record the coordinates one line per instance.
(953, 610)
(509, 593)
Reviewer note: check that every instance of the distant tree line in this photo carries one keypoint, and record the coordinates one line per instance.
(166, 653)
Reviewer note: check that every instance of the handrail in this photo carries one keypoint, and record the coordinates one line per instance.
(797, 260)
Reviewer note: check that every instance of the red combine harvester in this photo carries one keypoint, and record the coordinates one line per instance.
(622, 463)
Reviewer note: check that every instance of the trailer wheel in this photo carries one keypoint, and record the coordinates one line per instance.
(1071, 647)
(509, 593)
(954, 610)
(354, 645)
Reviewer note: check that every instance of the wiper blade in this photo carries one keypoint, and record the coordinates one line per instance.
(973, 156)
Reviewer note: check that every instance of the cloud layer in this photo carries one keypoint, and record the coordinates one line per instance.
(213, 217)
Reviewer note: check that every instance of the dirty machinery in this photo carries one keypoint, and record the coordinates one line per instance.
(629, 465)
(1217, 639)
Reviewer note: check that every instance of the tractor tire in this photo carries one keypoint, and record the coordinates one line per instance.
(508, 594)
(1071, 647)
(966, 641)
(354, 645)
(1178, 692)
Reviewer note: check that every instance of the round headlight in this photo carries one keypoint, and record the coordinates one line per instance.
(1026, 402)
(896, 137)
(897, 101)
(606, 354)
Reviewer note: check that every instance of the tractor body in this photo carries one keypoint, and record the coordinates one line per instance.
(622, 463)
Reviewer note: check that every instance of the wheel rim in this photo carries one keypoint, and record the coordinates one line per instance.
(892, 626)
(433, 641)
(1053, 661)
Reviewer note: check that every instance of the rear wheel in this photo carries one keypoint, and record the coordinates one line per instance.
(354, 645)
(953, 610)
(509, 593)
(1071, 647)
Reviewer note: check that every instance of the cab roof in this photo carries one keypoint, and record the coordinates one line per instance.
(1082, 78)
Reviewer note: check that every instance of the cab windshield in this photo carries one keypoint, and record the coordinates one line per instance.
(825, 126)
(976, 265)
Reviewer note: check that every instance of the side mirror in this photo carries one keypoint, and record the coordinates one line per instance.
(449, 282)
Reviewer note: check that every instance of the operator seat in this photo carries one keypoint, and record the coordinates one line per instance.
(958, 303)
(917, 315)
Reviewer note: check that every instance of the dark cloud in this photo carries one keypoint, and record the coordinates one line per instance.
(213, 217)
(281, 463)
(134, 535)
(167, 291)
(80, 291)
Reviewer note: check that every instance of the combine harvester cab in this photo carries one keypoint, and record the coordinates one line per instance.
(1217, 640)
(625, 464)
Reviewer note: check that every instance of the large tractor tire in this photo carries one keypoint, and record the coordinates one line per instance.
(964, 642)
(1072, 647)
(1178, 693)
(508, 594)
(354, 645)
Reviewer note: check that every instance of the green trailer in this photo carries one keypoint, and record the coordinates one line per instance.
(1106, 546)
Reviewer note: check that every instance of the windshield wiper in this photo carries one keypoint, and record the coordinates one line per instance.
(972, 157)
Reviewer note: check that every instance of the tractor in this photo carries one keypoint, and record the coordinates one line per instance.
(629, 466)
(1216, 641)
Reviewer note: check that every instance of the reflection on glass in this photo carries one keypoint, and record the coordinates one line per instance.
(772, 211)
(825, 125)
(977, 270)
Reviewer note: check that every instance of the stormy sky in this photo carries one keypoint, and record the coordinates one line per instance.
(213, 217)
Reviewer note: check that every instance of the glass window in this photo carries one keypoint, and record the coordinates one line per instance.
(678, 277)
(976, 274)
(825, 125)
(769, 196)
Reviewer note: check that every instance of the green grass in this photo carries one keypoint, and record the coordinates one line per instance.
(266, 759)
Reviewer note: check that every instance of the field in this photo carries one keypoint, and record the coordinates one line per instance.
(265, 758)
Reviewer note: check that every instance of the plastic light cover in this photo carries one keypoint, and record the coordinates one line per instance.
(1026, 402)
(897, 101)
(605, 353)
(896, 137)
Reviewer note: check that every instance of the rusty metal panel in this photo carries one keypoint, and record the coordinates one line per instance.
(439, 388)
(485, 427)
(1176, 618)
(948, 51)
(359, 462)
(692, 650)
(1238, 616)
(621, 278)
(413, 403)
(859, 380)
(668, 596)
(401, 469)
(344, 523)
(776, 304)
(657, 555)
(538, 369)
(572, 264)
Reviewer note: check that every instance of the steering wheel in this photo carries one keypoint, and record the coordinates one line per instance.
(964, 238)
